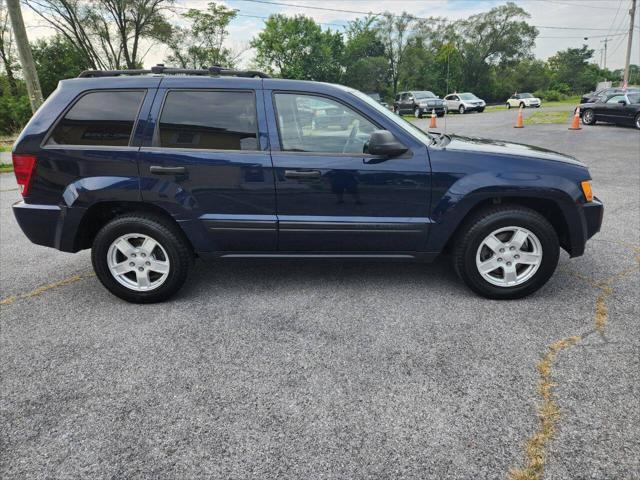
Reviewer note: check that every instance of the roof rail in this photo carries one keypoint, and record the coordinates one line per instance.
(214, 71)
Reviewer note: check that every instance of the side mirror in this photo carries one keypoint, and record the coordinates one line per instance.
(622, 102)
(383, 143)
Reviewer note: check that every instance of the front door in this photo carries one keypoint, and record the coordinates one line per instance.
(331, 197)
(208, 164)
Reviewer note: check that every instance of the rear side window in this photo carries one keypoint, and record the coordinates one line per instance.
(99, 119)
(210, 120)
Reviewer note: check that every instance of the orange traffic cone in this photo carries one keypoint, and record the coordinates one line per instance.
(575, 123)
(433, 124)
(519, 123)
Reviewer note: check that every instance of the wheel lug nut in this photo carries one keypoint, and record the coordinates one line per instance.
(510, 248)
(516, 256)
(132, 264)
(140, 269)
(147, 263)
(502, 250)
(133, 255)
(499, 259)
(142, 255)
(508, 264)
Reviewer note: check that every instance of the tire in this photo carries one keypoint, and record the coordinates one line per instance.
(470, 250)
(170, 259)
(588, 117)
(508, 105)
(480, 110)
(637, 121)
(440, 114)
(461, 110)
(417, 112)
(522, 105)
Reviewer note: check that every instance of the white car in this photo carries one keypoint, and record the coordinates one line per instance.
(523, 100)
(464, 102)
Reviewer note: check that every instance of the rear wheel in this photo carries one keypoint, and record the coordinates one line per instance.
(588, 117)
(417, 112)
(141, 258)
(480, 110)
(506, 252)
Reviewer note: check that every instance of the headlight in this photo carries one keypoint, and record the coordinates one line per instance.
(586, 189)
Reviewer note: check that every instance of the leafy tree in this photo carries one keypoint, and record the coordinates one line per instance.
(500, 37)
(394, 31)
(296, 47)
(56, 59)
(9, 64)
(109, 33)
(202, 43)
(571, 69)
(365, 65)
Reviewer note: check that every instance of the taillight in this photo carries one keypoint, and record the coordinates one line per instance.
(24, 166)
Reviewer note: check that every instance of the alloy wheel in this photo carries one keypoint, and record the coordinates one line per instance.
(588, 117)
(509, 256)
(461, 109)
(138, 262)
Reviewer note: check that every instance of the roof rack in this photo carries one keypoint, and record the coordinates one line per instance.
(214, 71)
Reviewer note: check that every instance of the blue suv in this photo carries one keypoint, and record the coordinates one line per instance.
(153, 168)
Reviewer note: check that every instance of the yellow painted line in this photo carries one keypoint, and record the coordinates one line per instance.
(535, 450)
(46, 288)
(10, 189)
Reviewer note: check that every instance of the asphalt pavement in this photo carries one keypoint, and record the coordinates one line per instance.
(328, 370)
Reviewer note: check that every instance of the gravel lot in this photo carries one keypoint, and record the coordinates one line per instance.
(328, 370)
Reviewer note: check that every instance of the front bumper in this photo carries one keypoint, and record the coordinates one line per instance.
(593, 215)
(49, 225)
(438, 109)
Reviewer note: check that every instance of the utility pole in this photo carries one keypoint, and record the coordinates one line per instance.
(606, 42)
(632, 14)
(24, 53)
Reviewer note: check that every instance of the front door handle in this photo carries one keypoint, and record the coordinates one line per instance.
(302, 173)
(167, 170)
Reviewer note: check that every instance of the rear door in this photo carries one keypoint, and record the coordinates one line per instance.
(206, 161)
(331, 196)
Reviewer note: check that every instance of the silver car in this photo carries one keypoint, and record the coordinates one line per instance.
(464, 102)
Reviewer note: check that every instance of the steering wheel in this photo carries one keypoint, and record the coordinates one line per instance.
(352, 136)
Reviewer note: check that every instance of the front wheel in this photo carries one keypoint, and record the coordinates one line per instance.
(141, 258)
(480, 110)
(506, 252)
(522, 105)
(461, 110)
(588, 117)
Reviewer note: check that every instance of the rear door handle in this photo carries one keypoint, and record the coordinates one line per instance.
(302, 173)
(167, 170)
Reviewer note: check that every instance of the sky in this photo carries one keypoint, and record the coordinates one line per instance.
(562, 23)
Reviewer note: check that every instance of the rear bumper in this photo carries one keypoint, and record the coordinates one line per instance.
(49, 225)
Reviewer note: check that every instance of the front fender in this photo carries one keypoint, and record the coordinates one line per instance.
(472, 190)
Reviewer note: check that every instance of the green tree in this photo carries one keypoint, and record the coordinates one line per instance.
(395, 32)
(296, 47)
(201, 44)
(500, 38)
(109, 33)
(365, 65)
(572, 72)
(56, 59)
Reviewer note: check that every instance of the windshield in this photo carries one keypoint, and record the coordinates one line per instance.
(634, 97)
(408, 127)
(526, 95)
(424, 95)
(467, 96)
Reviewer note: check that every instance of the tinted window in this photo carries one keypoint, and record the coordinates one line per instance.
(316, 124)
(616, 99)
(209, 120)
(99, 118)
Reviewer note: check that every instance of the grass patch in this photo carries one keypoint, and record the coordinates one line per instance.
(6, 167)
(5, 148)
(540, 118)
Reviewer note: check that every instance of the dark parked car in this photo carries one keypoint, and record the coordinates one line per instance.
(418, 103)
(378, 98)
(153, 170)
(605, 93)
(619, 108)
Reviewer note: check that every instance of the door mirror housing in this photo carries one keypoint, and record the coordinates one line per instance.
(383, 143)
(622, 102)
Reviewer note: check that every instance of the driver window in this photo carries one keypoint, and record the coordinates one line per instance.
(309, 123)
(616, 99)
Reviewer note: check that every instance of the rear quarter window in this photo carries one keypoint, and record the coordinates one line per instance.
(103, 118)
(208, 120)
